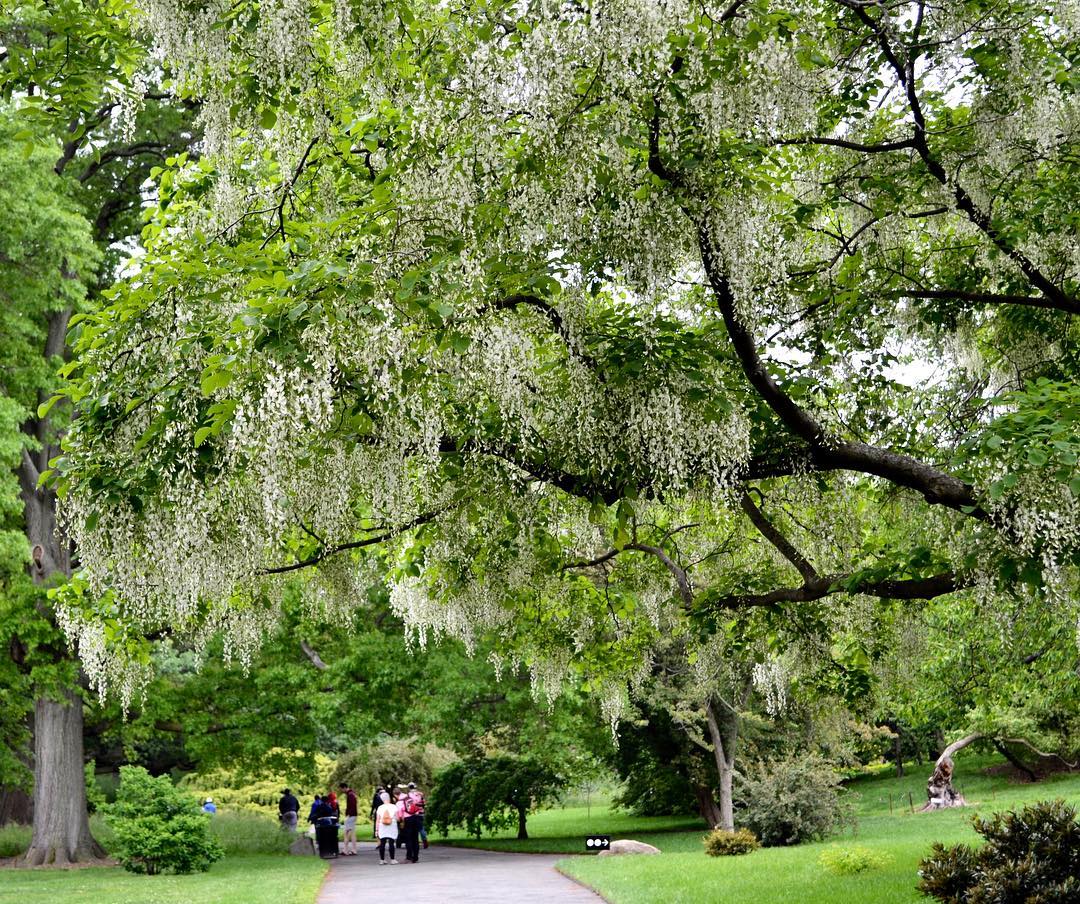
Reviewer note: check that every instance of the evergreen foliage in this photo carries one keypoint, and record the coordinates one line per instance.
(1030, 856)
(722, 843)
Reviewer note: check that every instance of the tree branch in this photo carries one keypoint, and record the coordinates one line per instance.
(913, 589)
(880, 148)
(316, 659)
(768, 530)
(356, 544)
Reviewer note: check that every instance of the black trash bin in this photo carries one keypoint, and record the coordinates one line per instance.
(326, 837)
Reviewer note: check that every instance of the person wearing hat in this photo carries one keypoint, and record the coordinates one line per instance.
(209, 807)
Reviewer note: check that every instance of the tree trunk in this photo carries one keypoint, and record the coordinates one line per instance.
(16, 806)
(940, 792)
(61, 826)
(1016, 762)
(898, 753)
(723, 725)
(523, 833)
(707, 807)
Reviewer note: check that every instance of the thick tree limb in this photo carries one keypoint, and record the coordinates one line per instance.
(316, 659)
(768, 530)
(829, 585)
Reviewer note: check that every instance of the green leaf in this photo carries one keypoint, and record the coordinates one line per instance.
(201, 434)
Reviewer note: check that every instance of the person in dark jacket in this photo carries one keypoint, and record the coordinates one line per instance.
(320, 809)
(288, 810)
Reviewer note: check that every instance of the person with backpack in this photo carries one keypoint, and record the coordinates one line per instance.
(386, 827)
(412, 817)
(376, 802)
(418, 796)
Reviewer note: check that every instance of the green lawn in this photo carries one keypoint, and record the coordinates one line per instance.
(251, 879)
(684, 875)
(562, 830)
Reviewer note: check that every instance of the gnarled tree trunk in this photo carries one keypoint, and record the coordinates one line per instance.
(940, 792)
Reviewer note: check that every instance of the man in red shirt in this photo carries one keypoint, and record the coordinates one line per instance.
(350, 819)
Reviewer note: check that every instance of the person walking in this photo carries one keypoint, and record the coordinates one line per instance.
(386, 827)
(350, 819)
(411, 820)
(288, 810)
(418, 797)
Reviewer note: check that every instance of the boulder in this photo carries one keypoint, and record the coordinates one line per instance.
(625, 846)
(302, 845)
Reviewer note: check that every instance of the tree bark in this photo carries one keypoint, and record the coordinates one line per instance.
(940, 792)
(61, 827)
(707, 807)
(523, 833)
(1016, 762)
(724, 733)
(61, 824)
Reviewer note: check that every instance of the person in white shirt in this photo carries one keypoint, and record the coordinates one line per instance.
(386, 825)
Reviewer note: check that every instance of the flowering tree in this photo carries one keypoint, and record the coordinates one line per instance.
(520, 291)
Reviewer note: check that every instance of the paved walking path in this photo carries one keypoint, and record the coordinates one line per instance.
(449, 875)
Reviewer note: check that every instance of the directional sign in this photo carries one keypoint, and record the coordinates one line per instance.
(597, 842)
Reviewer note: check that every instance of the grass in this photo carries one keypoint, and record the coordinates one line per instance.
(684, 875)
(252, 879)
(562, 830)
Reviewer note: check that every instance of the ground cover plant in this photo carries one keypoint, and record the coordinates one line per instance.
(723, 843)
(684, 875)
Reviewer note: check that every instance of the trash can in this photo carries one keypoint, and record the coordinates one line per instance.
(326, 839)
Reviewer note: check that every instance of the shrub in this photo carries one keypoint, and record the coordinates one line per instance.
(257, 795)
(491, 793)
(847, 861)
(722, 843)
(389, 762)
(157, 827)
(1029, 856)
(14, 840)
(793, 800)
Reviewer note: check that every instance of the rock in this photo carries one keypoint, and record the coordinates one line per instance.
(302, 845)
(625, 846)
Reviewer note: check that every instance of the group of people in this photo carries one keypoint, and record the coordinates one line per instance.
(397, 818)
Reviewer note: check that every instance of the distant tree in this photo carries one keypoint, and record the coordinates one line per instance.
(492, 793)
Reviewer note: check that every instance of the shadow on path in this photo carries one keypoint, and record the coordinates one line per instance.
(450, 875)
